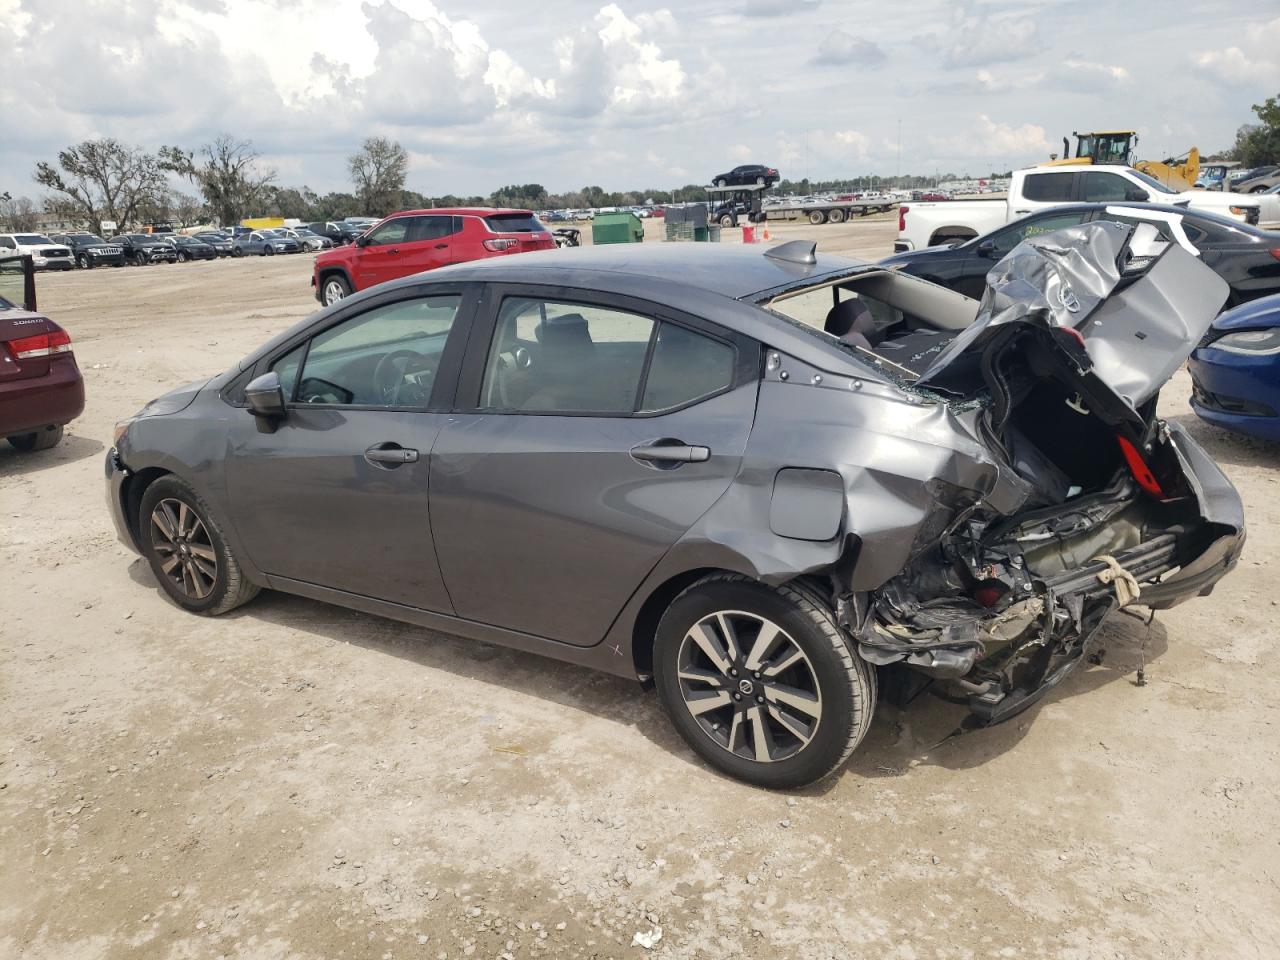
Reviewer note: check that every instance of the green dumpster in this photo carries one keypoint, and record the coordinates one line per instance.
(617, 228)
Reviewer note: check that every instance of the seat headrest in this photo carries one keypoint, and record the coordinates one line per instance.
(849, 316)
(567, 330)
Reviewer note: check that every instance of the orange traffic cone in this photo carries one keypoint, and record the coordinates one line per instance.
(766, 232)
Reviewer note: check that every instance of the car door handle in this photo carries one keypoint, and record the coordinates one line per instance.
(441, 246)
(389, 455)
(394, 250)
(1021, 211)
(670, 451)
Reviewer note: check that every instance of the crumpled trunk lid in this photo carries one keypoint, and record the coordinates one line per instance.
(1139, 305)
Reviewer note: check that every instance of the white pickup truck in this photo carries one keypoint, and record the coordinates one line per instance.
(946, 221)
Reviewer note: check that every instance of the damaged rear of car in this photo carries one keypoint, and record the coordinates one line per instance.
(1055, 495)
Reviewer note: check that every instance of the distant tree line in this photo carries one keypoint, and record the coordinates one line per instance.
(106, 180)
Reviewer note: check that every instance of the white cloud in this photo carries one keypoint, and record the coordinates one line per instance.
(978, 36)
(841, 48)
(1257, 61)
(856, 144)
(996, 141)
(741, 152)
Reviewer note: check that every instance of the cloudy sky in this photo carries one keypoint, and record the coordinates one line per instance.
(630, 93)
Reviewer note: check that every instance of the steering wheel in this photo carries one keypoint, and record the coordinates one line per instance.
(389, 374)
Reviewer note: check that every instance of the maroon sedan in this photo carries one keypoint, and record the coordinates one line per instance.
(40, 385)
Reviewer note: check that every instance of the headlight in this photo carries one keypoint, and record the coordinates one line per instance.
(121, 427)
(1240, 211)
(1254, 343)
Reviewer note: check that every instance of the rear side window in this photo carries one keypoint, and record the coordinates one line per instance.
(1047, 187)
(551, 357)
(1104, 187)
(514, 223)
(575, 358)
(686, 366)
(7, 243)
(432, 228)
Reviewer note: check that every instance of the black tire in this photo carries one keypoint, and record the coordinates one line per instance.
(228, 588)
(237, 252)
(835, 216)
(726, 220)
(334, 283)
(139, 259)
(721, 183)
(84, 262)
(182, 256)
(817, 216)
(37, 440)
(759, 181)
(268, 251)
(845, 684)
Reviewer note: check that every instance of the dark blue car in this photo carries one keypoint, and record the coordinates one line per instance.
(1235, 371)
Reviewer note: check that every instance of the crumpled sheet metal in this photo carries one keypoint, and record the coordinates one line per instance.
(1056, 279)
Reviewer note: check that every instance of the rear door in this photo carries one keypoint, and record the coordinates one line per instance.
(591, 431)
(1041, 189)
(429, 244)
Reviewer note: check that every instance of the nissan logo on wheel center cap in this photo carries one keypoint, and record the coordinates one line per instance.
(746, 687)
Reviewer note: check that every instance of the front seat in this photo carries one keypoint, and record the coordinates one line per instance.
(565, 365)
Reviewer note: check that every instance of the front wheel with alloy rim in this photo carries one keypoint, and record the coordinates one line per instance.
(332, 289)
(83, 261)
(187, 550)
(761, 682)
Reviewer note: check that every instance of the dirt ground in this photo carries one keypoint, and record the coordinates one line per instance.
(295, 780)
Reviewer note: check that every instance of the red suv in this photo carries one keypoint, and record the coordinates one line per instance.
(416, 240)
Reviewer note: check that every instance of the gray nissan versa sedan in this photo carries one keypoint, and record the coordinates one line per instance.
(750, 476)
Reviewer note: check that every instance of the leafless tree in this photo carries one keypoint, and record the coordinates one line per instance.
(101, 180)
(228, 173)
(18, 215)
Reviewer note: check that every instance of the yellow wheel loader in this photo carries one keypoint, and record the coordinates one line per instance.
(1117, 146)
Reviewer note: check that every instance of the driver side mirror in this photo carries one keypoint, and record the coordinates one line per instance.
(362, 240)
(265, 398)
(987, 248)
(1134, 195)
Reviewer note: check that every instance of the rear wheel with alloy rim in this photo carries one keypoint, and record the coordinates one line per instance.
(333, 289)
(187, 550)
(761, 682)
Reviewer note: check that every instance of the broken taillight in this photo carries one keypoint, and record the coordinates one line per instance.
(1141, 472)
(902, 217)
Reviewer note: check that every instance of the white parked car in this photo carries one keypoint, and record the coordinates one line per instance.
(44, 253)
(929, 224)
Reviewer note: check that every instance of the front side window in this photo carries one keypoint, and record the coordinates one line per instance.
(393, 231)
(1105, 187)
(385, 357)
(1047, 187)
(1008, 238)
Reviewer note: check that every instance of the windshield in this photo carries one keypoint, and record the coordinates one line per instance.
(28, 239)
(1151, 182)
(89, 238)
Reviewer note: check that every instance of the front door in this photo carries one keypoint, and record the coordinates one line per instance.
(598, 433)
(384, 253)
(337, 495)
